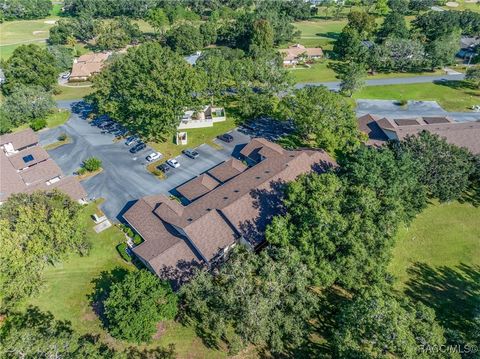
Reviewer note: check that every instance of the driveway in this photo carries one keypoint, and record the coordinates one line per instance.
(389, 108)
(335, 85)
(124, 177)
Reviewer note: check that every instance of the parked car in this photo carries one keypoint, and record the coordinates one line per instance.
(153, 156)
(106, 124)
(66, 75)
(225, 137)
(191, 153)
(131, 140)
(173, 162)
(138, 147)
(163, 167)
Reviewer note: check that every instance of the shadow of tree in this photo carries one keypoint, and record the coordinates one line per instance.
(454, 294)
(156, 353)
(101, 286)
(458, 85)
(329, 35)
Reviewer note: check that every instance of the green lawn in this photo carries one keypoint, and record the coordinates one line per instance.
(452, 96)
(464, 5)
(16, 33)
(437, 262)
(72, 93)
(68, 286)
(56, 119)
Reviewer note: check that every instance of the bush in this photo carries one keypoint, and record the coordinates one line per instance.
(129, 232)
(92, 164)
(62, 137)
(122, 250)
(137, 239)
(81, 171)
(38, 124)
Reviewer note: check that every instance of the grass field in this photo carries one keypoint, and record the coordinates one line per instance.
(437, 262)
(68, 287)
(464, 5)
(72, 93)
(452, 95)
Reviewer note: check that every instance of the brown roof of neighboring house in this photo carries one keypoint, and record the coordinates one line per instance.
(81, 70)
(227, 170)
(20, 139)
(94, 57)
(40, 173)
(241, 206)
(294, 51)
(461, 134)
(197, 187)
(38, 153)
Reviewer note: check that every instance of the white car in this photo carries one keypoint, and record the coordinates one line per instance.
(173, 162)
(153, 156)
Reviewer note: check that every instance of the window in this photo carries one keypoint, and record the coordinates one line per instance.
(28, 158)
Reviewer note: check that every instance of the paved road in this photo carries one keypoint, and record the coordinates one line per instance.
(335, 85)
(124, 177)
(389, 108)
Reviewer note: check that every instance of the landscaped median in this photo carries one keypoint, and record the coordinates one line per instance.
(90, 167)
(63, 139)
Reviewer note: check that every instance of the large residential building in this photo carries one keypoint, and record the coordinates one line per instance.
(231, 203)
(88, 65)
(297, 53)
(381, 129)
(26, 167)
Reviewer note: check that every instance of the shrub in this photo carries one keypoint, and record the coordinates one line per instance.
(402, 102)
(122, 250)
(62, 137)
(38, 124)
(81, 171)
(92, 164)
(137, 239)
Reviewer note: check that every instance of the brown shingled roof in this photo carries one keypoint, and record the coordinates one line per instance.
(20, 139)
(197, 187)
(214, 221)
(41, 172)
(37, 152)
(227, 170)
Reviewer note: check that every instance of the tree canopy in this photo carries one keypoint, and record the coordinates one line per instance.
(323, 118)
(35, 230)
(265, 298)
(30, 65)
(136, 304)
(24, 9)
(150, 100)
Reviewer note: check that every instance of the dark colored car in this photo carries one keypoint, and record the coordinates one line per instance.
(131, 140)
(164, 167)
(106, 124)
(191, 153)
(225, 137)
(138, 147)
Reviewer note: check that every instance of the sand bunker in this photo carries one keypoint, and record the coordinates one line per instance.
(50, 22)
(38, 32)
(452, 4)
(471, 1)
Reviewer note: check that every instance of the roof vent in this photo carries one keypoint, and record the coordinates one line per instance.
(209, 209)
(225, 197)
(267, 171)
(258, 177)
(235, 190)
(292, 156)
(189, 219)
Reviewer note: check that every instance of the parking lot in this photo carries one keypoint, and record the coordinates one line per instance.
(125, 178)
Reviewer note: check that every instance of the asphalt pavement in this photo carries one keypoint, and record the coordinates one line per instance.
(124, 178)
(335, 85)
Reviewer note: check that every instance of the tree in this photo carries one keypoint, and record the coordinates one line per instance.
(208, 30)
(264, 298)
(158, 20)
(134, 306)
(262, 37)
(116, 34)
(349, 46)
(473, 75)
(443, 168)
(402, 55)
(25, 9)
(442, 51)
(36, 230)
(398, 6)
(352, 76)
(364, 24)
(30, 65)
(323, 118)
(343, 232)
(25, 104)
(36, 334)
(60, 32)
(92, 164)
(395, 26)
(185, 39)
(151, 99)
(378, 325)
(381, 7)
(63, 56)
